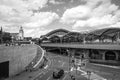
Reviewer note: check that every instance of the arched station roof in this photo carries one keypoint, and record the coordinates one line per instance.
(105, 32)
(59, 31)
(72, 36)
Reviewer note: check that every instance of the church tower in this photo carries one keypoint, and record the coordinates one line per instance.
(21, 33)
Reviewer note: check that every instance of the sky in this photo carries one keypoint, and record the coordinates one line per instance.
(38, 17)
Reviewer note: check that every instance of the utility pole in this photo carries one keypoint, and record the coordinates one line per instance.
(69, 54)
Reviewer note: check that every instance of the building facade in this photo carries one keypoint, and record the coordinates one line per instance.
(18, 36)
(21, 34)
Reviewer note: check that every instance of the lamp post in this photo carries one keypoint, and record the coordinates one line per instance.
(69, 59)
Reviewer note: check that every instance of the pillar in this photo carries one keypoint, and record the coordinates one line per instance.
(118, 36)
(103, 56)
(84, 40)
(116, 53)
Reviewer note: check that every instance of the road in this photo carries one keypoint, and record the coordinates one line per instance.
(55, 61)
(60, 61)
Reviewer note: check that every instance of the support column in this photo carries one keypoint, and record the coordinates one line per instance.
(118, 36)
(84, 40)
(116, 55)
(103, 56)
(86, 52)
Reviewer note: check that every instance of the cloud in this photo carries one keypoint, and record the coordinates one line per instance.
(41, 19)
(36, 32)
(14, 13)
(73, 14)
(55, 2)
(92, 15)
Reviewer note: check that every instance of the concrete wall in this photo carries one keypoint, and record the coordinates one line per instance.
(18, 56)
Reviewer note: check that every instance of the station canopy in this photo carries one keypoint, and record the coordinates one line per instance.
(103, 33)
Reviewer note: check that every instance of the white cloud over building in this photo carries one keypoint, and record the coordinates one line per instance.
(40, 16)
(94, 13)
(20, 12)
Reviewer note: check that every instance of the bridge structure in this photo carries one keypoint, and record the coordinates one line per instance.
(99, 46)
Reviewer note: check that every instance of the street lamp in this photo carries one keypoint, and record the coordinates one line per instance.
(69, 58)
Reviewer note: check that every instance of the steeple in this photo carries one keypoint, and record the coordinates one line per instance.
(21, 29)
(1, 30)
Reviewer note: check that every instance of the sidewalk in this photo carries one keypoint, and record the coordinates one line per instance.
(82, 74)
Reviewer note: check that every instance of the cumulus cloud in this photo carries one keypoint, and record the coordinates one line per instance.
(14, 13)
(73, 14)
(93, 14)
(41, 19)
(36, 32)
(55, 2)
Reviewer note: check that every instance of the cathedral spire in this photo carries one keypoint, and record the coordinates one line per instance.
(1, 29)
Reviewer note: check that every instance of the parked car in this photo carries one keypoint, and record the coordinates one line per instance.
(58, 73)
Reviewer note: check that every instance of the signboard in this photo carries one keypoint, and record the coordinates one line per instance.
(78, 61)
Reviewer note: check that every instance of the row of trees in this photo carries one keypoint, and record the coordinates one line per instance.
(5, 37)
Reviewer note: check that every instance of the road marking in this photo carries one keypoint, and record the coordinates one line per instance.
(72, 69)
(66, 71)
(116, 67)
(81, 70)
(48, 77)
(63, 64)
(64, 77)
(49, 64)
(46, 67)
(92, 74)
(39, 75)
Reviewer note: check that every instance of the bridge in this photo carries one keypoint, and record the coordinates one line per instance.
(83, 46)
(101, 46)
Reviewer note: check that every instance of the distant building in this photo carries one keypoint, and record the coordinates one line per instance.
(18, 36)
(14, 36)
(28, 38)
(21, 34)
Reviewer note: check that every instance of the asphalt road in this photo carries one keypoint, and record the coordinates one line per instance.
(59, 61)
(55, 61)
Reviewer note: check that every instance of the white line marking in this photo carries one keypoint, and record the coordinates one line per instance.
(63, 64)
(116, 67)
(46, 67)
(48, 77)
(85, 74)
(72, 69)
(64, 77)
(39, 74)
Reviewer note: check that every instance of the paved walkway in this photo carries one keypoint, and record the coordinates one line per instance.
(93, 76)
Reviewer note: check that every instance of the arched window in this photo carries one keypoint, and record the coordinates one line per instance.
(94, 54)
(110, 55)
